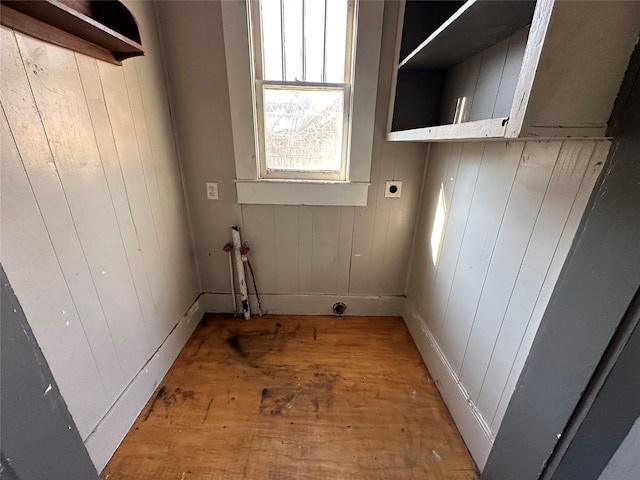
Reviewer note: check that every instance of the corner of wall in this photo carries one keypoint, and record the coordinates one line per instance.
(176, 139)
(418, 212)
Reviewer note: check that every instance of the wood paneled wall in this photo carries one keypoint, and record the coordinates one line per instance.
(487, 81)
(496, 223)
(294, 250)
(95, 232)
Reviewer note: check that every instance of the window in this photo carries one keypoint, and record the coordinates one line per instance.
(302, 80)
(302, 52)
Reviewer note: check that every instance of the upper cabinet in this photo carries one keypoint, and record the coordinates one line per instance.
(506, 69)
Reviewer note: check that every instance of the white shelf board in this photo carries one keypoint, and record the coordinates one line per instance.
(478, 130)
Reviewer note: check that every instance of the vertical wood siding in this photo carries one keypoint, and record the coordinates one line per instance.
(95, 234)
(512, 210)
(294, 249)
(486, 80)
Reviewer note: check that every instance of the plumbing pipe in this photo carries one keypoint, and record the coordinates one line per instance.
(244, 296)
(255, 287)
(229, 248)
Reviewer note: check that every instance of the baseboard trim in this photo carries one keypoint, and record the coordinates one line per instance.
(375, 305)
(103, 441)
(472, 426)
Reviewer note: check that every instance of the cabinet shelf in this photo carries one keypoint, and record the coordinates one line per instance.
(474, 27)
(487, 129)
(104, 29)
(487, 69)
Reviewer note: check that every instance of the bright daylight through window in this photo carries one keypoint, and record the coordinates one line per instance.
(302, 55)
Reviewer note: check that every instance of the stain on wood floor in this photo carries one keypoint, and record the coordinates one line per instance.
(286, 397)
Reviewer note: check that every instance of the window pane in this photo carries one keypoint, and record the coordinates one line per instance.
(336, 40)
(303, 128)
(314, 40)
(314, 33)
(293, 40)
(271, 39)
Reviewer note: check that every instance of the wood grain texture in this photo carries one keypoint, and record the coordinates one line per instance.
(28, 25)
(295, 397)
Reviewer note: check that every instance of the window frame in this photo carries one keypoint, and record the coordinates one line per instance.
(251, 188)
(268, 173)
(260, 83)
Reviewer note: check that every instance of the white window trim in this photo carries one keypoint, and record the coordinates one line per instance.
(254, 190)
(341, 174)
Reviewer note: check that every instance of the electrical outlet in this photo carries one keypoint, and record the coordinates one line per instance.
(393, 189)
(212, 191)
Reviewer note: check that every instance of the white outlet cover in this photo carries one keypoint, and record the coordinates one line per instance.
(393, 189)
(212, 191)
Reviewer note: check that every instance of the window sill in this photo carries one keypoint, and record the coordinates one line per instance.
(298, 192)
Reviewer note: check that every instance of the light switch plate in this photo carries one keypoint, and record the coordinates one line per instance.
(393, 189)
(212, 191)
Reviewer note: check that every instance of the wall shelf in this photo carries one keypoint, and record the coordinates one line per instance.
(487, 69)
(103, 29)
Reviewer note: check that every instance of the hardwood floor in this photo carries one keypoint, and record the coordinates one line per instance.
(287, 397)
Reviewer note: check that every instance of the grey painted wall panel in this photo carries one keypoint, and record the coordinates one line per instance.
(595, 289)
(508, 222)
(486, 81)
(489, 77)
(38, 436)
(561, 196)
(564, 244)
(519, 220)
(38, 279)
(30, 139)
(68, 131)
(496, 178)
(95, 228)
(361, 250)
(608, 409)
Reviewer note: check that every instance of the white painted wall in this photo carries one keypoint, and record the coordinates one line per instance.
(295, 251)
(95, 233)
(495, 226)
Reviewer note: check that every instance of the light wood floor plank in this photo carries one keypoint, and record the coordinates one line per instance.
(295, 397)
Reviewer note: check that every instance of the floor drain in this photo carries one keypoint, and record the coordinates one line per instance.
(339, 308)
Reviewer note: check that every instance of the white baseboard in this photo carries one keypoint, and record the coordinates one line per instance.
(374, 305)
(472, 426)
(103, 441)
